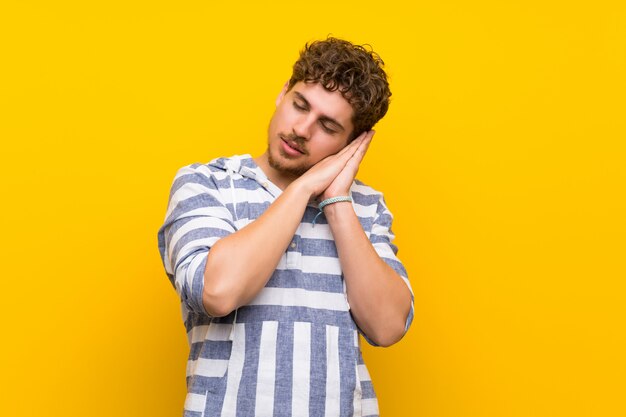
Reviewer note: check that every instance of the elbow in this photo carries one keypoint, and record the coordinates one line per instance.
(391, 330)
(217, 295)
(389, 336)
(216, 301)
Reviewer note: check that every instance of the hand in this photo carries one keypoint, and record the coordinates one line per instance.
(320, 176)
(340, 186)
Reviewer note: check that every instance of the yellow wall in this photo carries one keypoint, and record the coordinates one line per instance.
(502, 158)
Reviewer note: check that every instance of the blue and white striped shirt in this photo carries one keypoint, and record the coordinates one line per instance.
(294, 349)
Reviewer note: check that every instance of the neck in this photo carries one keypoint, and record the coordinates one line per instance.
(280, 179)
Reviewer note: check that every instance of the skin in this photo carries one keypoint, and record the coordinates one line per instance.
(309, 157)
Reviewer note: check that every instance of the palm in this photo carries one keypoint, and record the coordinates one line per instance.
(333, 175)
(341, 184)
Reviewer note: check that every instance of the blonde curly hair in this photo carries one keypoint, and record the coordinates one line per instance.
(353, 70)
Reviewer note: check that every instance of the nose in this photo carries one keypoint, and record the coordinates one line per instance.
(303, 125)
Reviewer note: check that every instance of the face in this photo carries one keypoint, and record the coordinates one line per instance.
(309, 124)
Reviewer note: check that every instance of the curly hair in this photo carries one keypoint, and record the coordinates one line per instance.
(353, 70)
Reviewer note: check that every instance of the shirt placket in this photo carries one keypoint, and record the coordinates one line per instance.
(293, 255)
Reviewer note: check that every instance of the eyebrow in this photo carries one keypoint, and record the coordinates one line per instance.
(323, 118)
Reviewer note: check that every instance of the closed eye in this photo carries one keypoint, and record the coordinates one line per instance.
(324, 125)
(327, 129)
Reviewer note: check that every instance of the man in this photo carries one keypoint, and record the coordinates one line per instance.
(281, 260)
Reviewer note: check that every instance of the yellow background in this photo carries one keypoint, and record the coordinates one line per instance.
(502, 158)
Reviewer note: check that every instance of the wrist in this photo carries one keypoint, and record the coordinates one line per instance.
(339, 215)
(300, 186)
(333, 194)
(332, 210)
(326, 205)
(334, 200)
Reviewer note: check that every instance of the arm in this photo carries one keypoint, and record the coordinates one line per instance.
(229, 285)
(196, 218)
(380, 300)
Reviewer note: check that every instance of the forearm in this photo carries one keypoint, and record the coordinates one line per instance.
(239, 265)
(379, 299)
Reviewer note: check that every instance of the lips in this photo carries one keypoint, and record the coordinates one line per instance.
(293, 145)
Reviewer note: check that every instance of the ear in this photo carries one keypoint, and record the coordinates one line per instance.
(282, 93)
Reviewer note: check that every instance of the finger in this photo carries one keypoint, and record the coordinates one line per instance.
(355, 160)
(343, 156)
(353, 146)
(363, 147)
(348, 151)
(368, 141)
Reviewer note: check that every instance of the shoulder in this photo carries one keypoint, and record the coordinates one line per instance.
(368, 201)
(213, 172)
(215, 165)
(364, 195)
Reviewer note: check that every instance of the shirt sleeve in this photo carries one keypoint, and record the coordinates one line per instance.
(381, 237)
(196, 218)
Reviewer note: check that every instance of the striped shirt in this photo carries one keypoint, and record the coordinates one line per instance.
(294, 349)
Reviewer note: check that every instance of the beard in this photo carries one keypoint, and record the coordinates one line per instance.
(294, 170)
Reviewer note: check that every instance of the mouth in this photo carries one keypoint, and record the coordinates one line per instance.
(292, 145)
